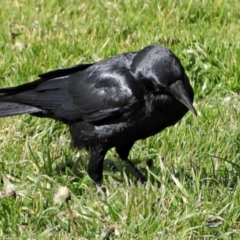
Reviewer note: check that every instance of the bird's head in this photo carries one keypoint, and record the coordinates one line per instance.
(158, 70)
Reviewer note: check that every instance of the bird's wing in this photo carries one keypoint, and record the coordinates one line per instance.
(100, 94)
(102, 91)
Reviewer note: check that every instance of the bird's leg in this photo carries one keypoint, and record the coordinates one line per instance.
(95, 166)
(123, 151)
(135, 171)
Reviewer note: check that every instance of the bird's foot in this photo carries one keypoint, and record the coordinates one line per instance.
(100, 189)
(135, 171)
(141, 178)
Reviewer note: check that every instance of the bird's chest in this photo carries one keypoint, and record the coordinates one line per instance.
(139, 124)
(149, 122)
(147, 125)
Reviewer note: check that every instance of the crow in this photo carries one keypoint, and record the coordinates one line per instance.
(110, 103)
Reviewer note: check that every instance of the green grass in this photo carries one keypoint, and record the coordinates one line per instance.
(193, 190)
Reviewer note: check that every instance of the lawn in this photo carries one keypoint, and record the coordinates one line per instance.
(193, 191)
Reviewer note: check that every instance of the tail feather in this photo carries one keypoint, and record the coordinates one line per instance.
(10, 109)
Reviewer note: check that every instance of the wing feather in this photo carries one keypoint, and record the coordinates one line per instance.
(91, 92)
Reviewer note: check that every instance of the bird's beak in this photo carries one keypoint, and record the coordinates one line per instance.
(178, 91)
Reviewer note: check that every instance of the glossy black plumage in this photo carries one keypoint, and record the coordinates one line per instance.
(111, 103)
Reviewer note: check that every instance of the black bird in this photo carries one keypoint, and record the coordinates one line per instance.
(110, 103)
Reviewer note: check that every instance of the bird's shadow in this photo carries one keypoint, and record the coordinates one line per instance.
(113, 168)
(119, 172)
